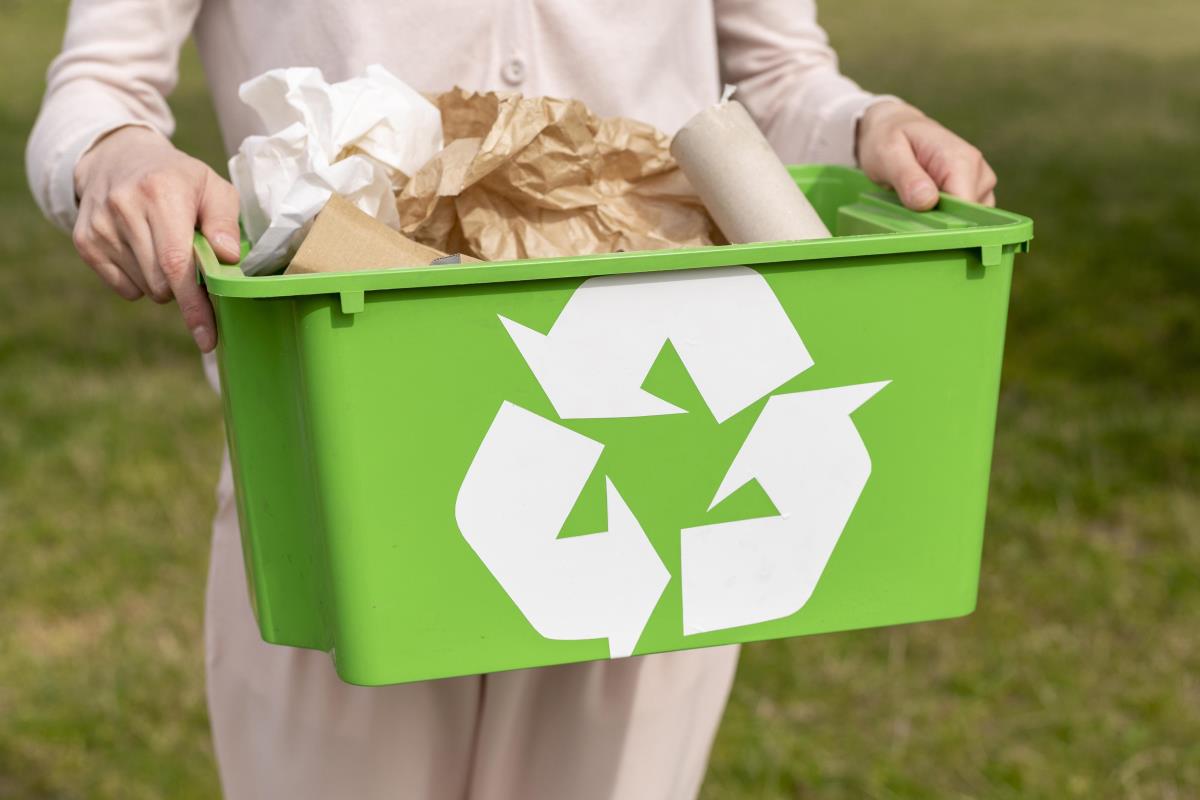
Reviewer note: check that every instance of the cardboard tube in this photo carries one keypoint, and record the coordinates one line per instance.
(741, 181)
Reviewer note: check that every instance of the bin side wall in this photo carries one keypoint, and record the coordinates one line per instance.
(400, 396)
(263, 395)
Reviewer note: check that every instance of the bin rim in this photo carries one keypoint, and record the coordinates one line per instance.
(988, 230)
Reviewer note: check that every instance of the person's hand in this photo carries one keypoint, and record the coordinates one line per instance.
(900, 147)
(140, 200)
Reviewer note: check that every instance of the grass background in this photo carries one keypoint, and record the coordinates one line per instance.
(1079, 675)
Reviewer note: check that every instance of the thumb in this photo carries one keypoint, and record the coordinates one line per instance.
(217, 217)
(901, 170)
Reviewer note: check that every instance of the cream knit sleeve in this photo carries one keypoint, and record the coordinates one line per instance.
(787, 77)
(118, 64)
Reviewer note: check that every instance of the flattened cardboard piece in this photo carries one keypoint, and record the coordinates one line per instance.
(344, 239)
(539, 177)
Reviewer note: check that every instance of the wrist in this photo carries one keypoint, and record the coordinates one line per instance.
(887, 109)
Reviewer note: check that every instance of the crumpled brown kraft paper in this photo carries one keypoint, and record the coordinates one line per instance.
(537, 177)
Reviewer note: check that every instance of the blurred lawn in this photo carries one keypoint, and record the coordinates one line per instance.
(1079, 675)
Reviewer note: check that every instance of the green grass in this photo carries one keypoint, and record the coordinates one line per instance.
(1077, 676)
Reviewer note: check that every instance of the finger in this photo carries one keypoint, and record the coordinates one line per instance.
(120, 282)
(127, 262)
(954, 164)
(143, 260)
(172, 223)
(218, 217)
(96, 252)
(898, 167)
(961, 175)
(127, 207)
(124, 261)
(117, 250)
(989, 199)
(987, 184)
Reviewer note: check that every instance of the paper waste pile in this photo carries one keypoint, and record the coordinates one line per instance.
(491, 176)
(360, 139)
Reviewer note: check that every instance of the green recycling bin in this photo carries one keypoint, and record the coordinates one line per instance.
(462, 469)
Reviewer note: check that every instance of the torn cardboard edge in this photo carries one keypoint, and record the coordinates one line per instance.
(344, 239)
(457, 258)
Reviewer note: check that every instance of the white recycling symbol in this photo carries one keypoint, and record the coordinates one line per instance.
(738, 345)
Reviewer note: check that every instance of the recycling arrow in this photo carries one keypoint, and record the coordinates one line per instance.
(738, 345)
(810, 460)
(517, 494)
(730, 331)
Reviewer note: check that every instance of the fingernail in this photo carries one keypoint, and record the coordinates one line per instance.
(924, 194)
(228, 243)
(204, 337)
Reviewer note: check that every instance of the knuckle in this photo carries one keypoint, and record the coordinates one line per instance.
(940, 159)
(159, 292)
(193, 306)
(154, 185)
(894, 142)
(122, 200)
(192, 312)
(966, 156)
(104, 233)
(80, 236)
(156, 286)
(129, 291)
(85, 244)
(175, 260)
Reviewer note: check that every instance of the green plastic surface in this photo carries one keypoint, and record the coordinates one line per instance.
(355, 403)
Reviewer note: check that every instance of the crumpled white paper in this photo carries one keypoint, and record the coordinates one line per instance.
(360, 138)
